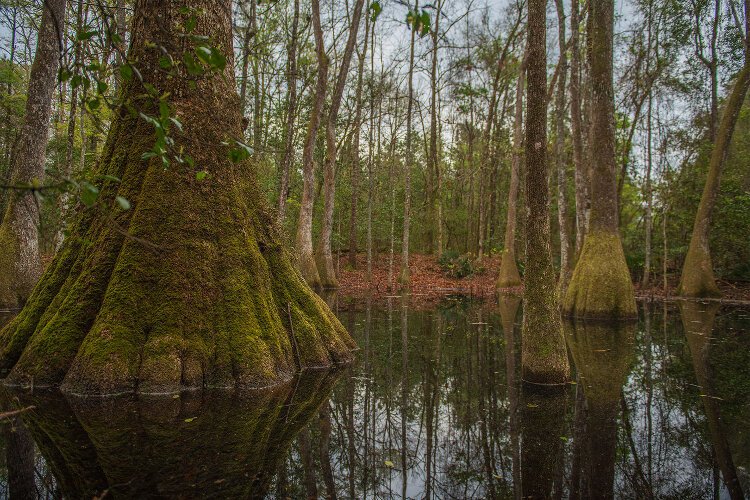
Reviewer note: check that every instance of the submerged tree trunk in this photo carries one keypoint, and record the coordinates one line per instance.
(201, 294)
(304, 243)
(324, 255)
(20, 261)
(697, 278)
(544, 359)
(601, 286)
(508, 275)
(291, 110)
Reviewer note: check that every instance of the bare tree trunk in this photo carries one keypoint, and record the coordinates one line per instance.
(355, 149)
(645, 282)
(581, 173)
(543, 356)
(305, 254)
(508, 275)
(291, 115)
(20, 260)
(434, 214)
(370, 166)
(560, 157)
(324, 255)
(404, 277)
(601, 286)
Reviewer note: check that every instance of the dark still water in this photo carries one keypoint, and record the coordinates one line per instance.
(434, 408)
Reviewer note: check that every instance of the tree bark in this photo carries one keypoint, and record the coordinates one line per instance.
(576, 127)
(20, 259)
(543, 356)
(561, 159)
(191, 287)
(305, 254)
(291, 115)
(601, 286)
(508, 275)
(324, 255)
(404, 277)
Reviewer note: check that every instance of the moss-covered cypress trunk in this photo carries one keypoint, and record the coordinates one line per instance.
(601, 286)
(191, 287)
(697, 278)
(543, 356)
(20, 261)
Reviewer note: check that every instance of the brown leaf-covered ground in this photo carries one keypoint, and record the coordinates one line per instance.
(429, 282)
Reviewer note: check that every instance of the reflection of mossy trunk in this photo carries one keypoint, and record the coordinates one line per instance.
(698, 323)
(543, 356)
(542, 425)
(603, 355)
(199, 292)
(601, 286)
(19, 459)
(697, 278)
(20, 263)
(201, 445)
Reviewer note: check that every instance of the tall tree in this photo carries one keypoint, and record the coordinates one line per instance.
(324, 254)
(544, 359)
(697, 278)
(190, 287)
(508, 275)
(305, 254)
(576, 129)
(20, 260)
(601, 286)
(291, 114)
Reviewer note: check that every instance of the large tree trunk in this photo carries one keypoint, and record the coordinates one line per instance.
(697, 272)
(601, 286)
(508, 275)
(291, 112)
(544, 359)
(324, 255)
(305, 254)
(20, 262)
(191, 287)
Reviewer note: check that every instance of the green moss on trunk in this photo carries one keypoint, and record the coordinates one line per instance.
(508, 276)
(191, 287)
(601, 287)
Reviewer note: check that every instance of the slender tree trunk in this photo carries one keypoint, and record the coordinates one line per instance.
(581, 172)
(355, 149)
(324, 254)
(543, 356)
(370, 163)
(508, 275)
(305, 254)
(645, 282)
(291, 115)
(561, 159)
(404, 277)
(434, 214)
(601, 286)
(112, 312)
(20, 259)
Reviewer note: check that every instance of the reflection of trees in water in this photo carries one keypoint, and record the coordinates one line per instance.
(443, 387)
(201, 444)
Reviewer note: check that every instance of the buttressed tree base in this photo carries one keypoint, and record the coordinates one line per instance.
(190, 287)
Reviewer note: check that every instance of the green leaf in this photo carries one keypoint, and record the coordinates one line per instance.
(123, 203)
(101, 87)
(375, 10)
(389, 464)
(201, 175)
(165, 62)
(242, 152)
(190, 23)
(126, 72)
(188, 420)
(94, 104)
(177, 123)
(89, 193)
(85, 35)
(163, 110)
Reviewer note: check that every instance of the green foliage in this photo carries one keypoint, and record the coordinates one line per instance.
(458, 266)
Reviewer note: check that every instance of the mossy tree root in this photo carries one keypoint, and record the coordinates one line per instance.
(508, 276)
(697, 280)
(601, 287)
(190, 287)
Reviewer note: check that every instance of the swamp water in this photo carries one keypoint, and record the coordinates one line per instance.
(433, 408)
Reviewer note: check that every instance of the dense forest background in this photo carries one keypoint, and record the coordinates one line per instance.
(443, 160)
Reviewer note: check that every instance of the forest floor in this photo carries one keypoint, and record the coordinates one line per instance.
(429, 282)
